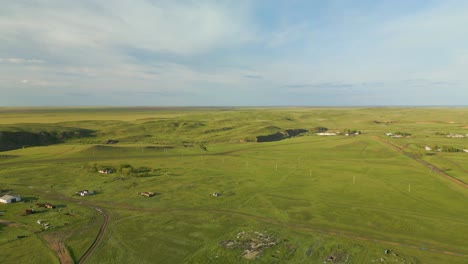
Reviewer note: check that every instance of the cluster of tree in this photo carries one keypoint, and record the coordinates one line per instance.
(129, 170)
(404, 134)
(448, 148)
(125, 170)
(318, 129)
(352, 132)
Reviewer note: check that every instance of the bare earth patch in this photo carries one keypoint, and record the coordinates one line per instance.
(55, 242)
(250, 254)
(253, 243)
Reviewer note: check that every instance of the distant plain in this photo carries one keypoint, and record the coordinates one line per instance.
(362, 198)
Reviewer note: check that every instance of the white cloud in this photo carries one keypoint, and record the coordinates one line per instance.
(95, 47)
(164, 26)
(21, 60)
(182, 28)
(85, 42)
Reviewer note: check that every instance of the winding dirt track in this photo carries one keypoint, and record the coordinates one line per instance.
(99, 236)
(425, 163)
(55, 242)
(58, 246)
(64, 257)
(350, 235)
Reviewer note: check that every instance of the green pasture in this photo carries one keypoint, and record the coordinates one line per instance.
(351, 197)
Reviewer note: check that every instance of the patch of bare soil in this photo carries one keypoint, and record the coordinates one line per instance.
(337, 257)
(250, 254)
(55, 242)
(253, 243)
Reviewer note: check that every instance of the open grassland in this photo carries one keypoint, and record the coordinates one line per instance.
(340, 199)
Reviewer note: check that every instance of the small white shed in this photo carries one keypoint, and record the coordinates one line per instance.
(9, 199)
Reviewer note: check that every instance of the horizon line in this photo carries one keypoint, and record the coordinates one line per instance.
(237, 106)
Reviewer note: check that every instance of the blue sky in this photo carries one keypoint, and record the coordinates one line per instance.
(236, 53)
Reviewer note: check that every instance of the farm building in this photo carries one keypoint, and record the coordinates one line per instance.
(106, 171)
(455, 136)
(326, 134)
(46, 205)
(147, 194)
(84, 193)
(9, 199)
(112, 141)
(427, 148)
(215, 194)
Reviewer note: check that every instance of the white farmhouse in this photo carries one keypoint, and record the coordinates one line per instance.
(455, 135)
(326, 134)
(9, 199)
(427, 148)
(85, 193)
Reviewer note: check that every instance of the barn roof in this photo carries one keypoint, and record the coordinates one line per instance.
(7, 197)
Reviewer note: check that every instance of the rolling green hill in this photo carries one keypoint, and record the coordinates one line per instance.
(298, 198)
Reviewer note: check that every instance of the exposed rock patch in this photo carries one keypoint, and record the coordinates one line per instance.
(252, 243)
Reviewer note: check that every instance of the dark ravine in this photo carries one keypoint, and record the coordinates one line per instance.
(10, 140)
(280, 135)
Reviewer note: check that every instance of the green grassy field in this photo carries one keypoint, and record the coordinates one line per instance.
(338, 199)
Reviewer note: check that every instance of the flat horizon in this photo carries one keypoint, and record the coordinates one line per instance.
(239, 106)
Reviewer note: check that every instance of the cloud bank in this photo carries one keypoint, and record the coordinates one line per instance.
(233, 53)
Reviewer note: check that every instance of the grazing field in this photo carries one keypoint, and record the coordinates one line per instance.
(219, 196)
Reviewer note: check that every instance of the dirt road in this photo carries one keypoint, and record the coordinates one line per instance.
(99, 236)
(425, 163)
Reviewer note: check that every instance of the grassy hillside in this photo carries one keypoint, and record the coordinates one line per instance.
(305, 199)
